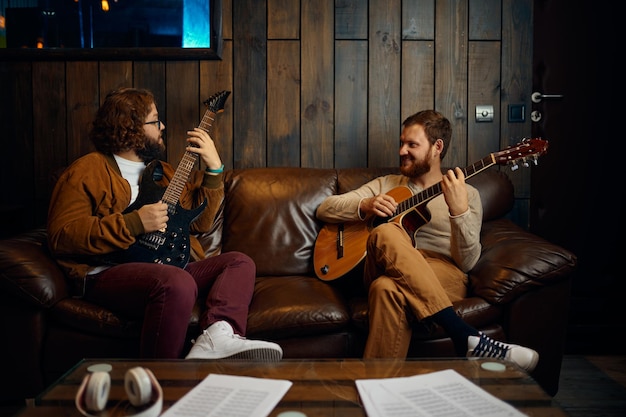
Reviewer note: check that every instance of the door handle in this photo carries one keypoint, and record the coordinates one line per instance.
(537, 97)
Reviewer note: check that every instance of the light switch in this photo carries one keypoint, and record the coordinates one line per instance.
(484, 113)
(517, 113)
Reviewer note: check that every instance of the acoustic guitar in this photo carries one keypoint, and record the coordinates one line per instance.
(340, 247)
(171, 245)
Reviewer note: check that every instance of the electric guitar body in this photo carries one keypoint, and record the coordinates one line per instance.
(168, 246)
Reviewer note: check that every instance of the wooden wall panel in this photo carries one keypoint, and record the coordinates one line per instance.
(516, 83)
(418, 72)
(283, 19)
(318, 17)
(283, 83)
(483, 86)
(184, 105)
(49, 129)
(418, 19)
(82, 104)
(483, 25)
(113, 75)
(351, 19)
(249, 83)
(516, 64)
(350, 104)
(283, 103)
(17, 173)
(418, 57)
(451, 74)
(151, 76)
(384, 82)
(216, 76)
(227, 19)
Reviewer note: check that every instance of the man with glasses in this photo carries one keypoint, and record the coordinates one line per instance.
(89, 218)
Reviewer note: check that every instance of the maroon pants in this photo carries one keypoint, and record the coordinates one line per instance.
(163, 297)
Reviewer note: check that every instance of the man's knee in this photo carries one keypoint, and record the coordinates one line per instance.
(382, 285)
(386, 235)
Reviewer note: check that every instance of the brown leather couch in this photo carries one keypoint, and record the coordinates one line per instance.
(519, 290)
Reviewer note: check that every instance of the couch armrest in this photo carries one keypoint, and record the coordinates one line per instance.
(514, 261)
(28, 271)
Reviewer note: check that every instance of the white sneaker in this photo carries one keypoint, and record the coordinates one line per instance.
(486, 347)
(219, 341)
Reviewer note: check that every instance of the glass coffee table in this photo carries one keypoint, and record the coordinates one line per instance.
(320, 387)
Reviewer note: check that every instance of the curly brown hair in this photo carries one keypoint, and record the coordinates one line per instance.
(119, 122)
(435, 125)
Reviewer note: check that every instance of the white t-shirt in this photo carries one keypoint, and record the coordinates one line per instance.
(131, 171)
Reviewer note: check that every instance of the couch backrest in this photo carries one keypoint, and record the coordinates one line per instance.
(496, 192)
(269, 213)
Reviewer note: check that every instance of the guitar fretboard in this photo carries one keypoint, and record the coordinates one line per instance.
(434, 190)
(181, 176)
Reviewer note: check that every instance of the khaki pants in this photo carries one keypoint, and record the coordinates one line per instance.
(404, 284)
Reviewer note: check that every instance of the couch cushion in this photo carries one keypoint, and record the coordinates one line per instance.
(270, 216)
(299, 306)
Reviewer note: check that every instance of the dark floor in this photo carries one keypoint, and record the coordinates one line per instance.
(593, 386)
(590, 386)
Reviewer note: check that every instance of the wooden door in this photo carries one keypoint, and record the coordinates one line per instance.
(573, 192)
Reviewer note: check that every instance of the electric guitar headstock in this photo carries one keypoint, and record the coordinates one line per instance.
(527, 151)
(216, 102)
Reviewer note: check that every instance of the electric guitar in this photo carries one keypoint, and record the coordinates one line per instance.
(171, 245)
(340, 247)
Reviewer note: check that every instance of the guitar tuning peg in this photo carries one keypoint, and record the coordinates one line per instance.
(525, 163)
(514, 165)
(536, 160)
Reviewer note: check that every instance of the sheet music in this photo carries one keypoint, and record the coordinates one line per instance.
(443, 393)
(230, 396)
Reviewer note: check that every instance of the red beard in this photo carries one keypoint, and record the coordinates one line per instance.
(416, 169)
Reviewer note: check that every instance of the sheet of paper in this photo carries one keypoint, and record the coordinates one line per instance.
(443, 393)
(230, 396)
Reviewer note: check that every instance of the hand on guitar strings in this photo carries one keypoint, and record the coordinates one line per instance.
(455, 192)
(382, 205)
(201, 143)
(154, 216)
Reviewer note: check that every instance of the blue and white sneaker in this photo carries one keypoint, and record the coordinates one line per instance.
(486, 347)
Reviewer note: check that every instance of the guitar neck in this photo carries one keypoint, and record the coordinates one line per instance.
(183, 171)
(434, 190)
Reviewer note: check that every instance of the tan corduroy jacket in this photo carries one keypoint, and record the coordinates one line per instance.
(85, 219)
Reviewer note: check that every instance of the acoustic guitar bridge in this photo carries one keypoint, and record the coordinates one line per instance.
(340, 241)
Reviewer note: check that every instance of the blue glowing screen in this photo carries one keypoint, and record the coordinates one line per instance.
(127, 23)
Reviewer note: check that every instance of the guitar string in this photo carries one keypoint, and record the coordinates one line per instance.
(434, 190)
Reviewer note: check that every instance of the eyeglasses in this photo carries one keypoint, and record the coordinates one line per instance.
(157, 122)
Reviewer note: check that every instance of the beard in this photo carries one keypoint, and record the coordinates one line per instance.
(151, 151)
(416, 169)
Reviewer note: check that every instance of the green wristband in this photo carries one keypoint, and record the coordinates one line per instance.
(215, 171)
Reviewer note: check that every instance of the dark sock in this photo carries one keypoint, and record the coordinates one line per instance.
(456, 328)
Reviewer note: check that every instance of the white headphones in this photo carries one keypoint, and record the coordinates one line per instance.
(142, 388)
